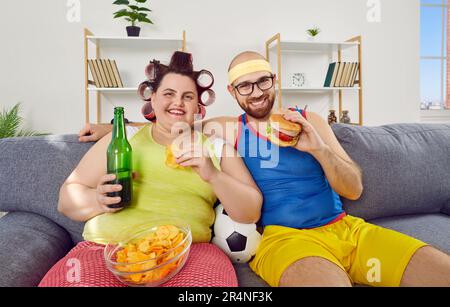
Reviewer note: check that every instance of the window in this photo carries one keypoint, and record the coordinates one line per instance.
(434, 44)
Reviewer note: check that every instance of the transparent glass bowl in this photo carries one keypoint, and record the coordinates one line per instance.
(156, 270)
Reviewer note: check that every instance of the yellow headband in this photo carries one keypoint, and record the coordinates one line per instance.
(247, 68)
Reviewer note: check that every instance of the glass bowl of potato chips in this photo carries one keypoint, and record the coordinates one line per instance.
(149, 255)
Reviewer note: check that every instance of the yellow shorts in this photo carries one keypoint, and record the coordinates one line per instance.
(371, 255)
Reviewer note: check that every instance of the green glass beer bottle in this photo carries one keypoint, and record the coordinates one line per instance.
(119, 160)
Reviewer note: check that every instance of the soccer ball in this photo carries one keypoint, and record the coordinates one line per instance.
(238, 241)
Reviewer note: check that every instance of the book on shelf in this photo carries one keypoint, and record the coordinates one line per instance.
(105, 70)
(105, 73)
(111, 73)
(344, 74)
(102, 73)
(346, 82)
(99, 75)
(94, 73)
(333, 78)
(329, 74)
(341, 74)
(350, 74)
(116, 73)
(355, 74)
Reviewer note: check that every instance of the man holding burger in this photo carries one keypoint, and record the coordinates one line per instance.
(308, 238)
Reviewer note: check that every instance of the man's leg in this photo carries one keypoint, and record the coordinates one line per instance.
(314, 272)
(427, 267)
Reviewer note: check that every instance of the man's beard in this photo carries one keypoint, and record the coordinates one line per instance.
(260, 112)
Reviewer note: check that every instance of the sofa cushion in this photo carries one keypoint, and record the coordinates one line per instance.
(30, 245)
(248, 278)
(433, 229)
(405, 168)
(31, 172)
(446, 209)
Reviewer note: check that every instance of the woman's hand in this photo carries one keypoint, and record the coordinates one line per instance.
(197, 157)
(103, 201)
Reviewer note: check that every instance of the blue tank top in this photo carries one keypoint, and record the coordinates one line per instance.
(293, 183)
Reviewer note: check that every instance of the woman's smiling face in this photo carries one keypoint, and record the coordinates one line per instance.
(176, 100)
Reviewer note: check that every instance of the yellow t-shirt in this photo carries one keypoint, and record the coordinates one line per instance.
(160, 192)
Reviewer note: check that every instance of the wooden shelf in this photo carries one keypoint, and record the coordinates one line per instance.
(113, 89)
(301, 46)
(317, 89)
(121, 42)
(117, 41)
(281, 47)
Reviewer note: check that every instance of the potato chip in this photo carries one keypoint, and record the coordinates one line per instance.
(154, 249)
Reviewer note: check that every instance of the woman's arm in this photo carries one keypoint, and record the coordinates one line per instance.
(236, 189)
(83, 194)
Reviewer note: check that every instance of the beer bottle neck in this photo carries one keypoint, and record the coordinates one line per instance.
(119, 126)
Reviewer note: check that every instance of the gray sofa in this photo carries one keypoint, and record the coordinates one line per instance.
(406, 188)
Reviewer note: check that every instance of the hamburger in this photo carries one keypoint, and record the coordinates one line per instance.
(282, 132)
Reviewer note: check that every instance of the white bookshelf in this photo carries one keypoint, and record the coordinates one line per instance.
(118, 41)
(113, 90)
(298, 90)
(314, 46)
(286, 47)
(121, 42)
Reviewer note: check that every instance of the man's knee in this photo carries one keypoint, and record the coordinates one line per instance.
(427, 267)
(314, 271)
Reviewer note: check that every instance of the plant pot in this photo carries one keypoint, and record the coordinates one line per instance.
(133, 31)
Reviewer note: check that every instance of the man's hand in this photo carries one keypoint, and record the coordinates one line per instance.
(93, 132)
(309, 140)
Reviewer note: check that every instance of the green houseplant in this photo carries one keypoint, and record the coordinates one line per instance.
(313, 32)
(133, 14)
(11, 122)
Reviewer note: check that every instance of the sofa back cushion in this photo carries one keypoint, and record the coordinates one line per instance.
(406, 168)
(32, 171)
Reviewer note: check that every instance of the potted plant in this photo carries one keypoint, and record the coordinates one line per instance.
(313, 32)
(11, 122)
(134, 14)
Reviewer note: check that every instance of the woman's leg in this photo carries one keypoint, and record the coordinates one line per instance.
(84, 266)
(207, 266)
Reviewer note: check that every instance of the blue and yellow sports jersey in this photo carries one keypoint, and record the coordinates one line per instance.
(293, 183)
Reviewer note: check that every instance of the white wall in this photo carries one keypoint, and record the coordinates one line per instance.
(41, 54)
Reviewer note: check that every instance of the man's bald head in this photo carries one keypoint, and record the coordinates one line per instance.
(245, 57)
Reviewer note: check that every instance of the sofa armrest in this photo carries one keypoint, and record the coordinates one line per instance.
(32, 170)
(30, 245)
(446, 209)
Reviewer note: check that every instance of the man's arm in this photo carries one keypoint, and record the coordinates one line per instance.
(223, 127)
(317, 138)
(94, 132)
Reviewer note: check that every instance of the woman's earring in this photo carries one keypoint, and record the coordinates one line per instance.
(147, 111)
(202, 111)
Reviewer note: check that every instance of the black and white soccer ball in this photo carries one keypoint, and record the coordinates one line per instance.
(238, 241)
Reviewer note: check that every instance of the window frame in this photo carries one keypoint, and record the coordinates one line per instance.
(442, 57)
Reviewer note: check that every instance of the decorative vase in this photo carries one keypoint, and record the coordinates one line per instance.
(332, 119)
(345, 119)
(133, 31)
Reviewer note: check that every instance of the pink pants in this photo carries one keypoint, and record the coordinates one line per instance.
(207, 266)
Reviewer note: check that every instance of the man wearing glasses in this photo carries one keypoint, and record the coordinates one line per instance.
(308, 239)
